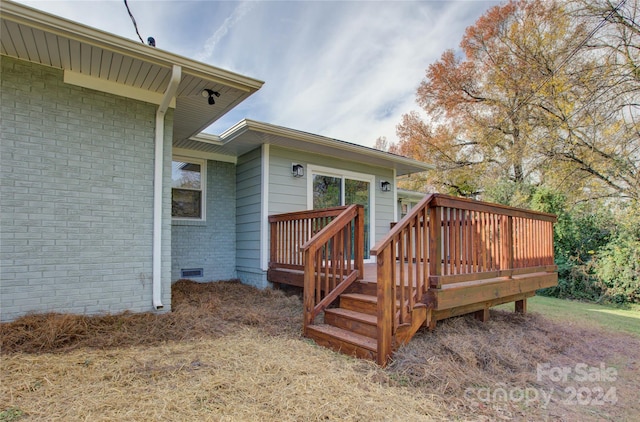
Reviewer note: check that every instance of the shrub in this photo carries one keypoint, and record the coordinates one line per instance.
(578, 234)
(616, 265)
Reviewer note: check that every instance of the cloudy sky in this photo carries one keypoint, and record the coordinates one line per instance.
(343, 69)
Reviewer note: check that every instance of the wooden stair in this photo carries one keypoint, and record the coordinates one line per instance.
(352, 328)
(343, 341)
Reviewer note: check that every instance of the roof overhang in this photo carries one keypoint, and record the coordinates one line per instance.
(247, 135)
(99, 60)
(410, 194)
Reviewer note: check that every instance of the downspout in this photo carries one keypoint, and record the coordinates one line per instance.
(158, 184)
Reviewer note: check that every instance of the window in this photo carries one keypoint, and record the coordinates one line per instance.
(187, 188)
(327, 191)
(332, 187)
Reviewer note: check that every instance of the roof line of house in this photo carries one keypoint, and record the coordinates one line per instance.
(267, 128)
(54, 24)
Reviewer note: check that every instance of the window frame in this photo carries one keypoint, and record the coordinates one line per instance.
(203, 187)
(346, 174)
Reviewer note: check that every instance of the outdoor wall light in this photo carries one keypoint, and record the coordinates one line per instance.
(385, 186)
(210, 93)
(297, 170)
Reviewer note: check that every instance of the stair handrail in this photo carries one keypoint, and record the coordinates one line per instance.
(331, 240)
(387, 291)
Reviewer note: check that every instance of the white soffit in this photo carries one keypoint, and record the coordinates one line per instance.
(88, 54)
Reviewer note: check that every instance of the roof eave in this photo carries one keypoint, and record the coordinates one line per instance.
(246, 125)
(47, 22)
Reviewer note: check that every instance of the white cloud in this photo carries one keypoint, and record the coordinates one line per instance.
(347, 70)
(344, 70)
(209, 46)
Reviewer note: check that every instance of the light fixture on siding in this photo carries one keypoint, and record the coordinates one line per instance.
(210, 93)
(385, 186)
(297, 170)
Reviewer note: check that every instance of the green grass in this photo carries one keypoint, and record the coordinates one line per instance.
(11, 414)
(625, 320)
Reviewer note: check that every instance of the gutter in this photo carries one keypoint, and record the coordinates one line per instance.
(158, 185)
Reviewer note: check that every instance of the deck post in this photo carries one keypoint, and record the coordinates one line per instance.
(273, 246)
(385, 265)
(521, 306)
(309, 288)
(435, 242)
(482, 315)
(358, 246)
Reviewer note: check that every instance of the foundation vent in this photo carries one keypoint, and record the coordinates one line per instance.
(191, 272)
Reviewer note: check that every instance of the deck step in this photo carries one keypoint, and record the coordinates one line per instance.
(354, 321)
(343, 341)
(363, 287)
(367, 304)
(360, 303)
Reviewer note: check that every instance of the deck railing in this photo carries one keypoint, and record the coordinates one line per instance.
(327, 244)
(447, 240)
(292, 230)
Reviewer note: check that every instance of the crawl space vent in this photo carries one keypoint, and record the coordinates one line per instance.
(191, 272)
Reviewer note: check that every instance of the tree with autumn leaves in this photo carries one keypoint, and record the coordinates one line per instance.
(540, 95)
(540, 108)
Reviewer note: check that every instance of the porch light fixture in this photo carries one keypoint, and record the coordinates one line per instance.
(210, 93)
(385, 186)
(297, 170)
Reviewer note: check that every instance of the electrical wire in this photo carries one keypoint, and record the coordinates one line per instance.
(135, 25)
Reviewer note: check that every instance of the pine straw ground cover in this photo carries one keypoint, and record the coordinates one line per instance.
(230, 352)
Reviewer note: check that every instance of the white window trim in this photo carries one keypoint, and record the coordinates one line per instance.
(342, 174)
(203, 186)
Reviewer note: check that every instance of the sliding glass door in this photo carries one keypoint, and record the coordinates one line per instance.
(331, 190)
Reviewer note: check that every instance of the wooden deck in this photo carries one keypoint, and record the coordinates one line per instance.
(448, 257)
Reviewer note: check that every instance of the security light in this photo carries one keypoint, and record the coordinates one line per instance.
(210, 93)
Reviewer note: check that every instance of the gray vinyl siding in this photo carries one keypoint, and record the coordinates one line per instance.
(385, 207)
(288, 193)
(209, 244)
(248, 218)
(76, 208)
